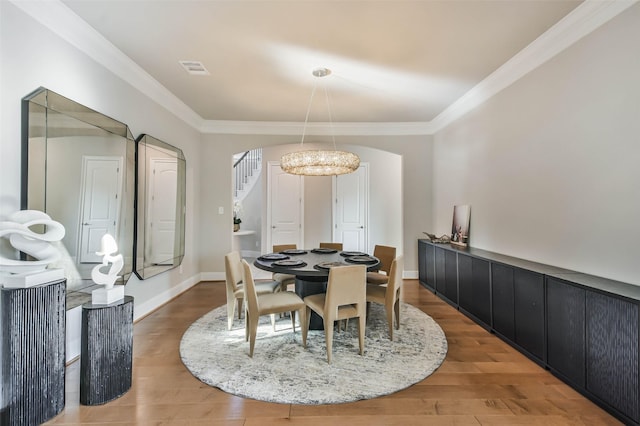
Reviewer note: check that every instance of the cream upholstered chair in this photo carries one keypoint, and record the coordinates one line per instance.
(386, 254)
(235, 289)
(389, 295)
(335, 246)
(284, 279)
(345, 298)
(268, 303)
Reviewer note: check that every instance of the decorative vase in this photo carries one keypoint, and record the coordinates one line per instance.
(236, 227)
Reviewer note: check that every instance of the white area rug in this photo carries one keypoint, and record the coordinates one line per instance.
(282, 371)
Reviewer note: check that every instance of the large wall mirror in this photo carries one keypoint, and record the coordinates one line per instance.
(160, 206)
(78, 166)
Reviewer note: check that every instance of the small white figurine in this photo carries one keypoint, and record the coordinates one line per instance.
(17, 229)
(109, 293)
(108, 249)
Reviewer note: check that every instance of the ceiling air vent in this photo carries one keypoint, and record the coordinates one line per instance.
(194, 67)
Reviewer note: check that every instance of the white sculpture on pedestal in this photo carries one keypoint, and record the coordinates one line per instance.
(17, 229)
(109, 293)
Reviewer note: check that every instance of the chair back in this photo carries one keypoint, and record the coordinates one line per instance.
(250, 294)
(335, 246)
(282, 247)
(395, 281)
(386, 254)
(347, 286)
(232, 270)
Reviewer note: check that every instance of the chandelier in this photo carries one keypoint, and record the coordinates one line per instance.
(319, 162)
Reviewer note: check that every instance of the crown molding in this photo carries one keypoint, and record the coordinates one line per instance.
(584, 19)
(57, 17)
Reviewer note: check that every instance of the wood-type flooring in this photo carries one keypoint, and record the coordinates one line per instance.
(483, 381)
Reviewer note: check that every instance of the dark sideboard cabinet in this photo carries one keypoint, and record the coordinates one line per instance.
(582, 328)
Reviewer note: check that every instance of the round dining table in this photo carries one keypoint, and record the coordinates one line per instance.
(311, 269)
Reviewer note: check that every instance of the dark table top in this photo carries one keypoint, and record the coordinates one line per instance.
(311, 261)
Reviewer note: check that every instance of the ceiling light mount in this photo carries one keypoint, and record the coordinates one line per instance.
(321, 72)
(319, 162)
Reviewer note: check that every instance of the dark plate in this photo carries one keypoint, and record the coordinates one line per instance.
(273, 256)
(352, 253)
(323, 250)
(328, 265)
(294, 251)
(289, 263)
(361, 259)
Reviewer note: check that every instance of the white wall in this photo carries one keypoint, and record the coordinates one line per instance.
(550, 165)
(32, 56)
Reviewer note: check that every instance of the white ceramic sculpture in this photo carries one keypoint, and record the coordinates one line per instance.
(18, 230)
(109, 293)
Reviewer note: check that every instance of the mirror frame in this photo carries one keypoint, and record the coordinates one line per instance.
(144, 266)
(36, 110)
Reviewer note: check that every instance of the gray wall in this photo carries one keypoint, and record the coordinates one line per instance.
(550, 164)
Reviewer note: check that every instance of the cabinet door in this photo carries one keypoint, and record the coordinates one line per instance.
(474, 287)
(566, 330)
(528, 296)
(481, 290)
(426, 264)
(502, 298)
(612, 352)
(441, 283)
(465, 283)
(451, 276)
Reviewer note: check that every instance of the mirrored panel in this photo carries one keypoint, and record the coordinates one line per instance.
(78, 166)
(160, 206)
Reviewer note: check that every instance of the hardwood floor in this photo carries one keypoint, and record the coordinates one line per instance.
(483, 381)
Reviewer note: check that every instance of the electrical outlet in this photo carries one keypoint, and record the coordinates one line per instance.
(220, 210)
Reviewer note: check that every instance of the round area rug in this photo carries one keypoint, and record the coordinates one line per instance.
(282, 371)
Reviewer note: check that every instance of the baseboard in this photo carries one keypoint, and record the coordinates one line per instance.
(410, 275)
(212, 276)
(142, 310)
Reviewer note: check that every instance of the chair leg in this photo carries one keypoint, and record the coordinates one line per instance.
(293, 321)
(231, 307)
(273, 321)
(240, 306)
(362, 323)
(396, 308)
(304, 325)
(390, 314)
(328, 337)
(253, 330)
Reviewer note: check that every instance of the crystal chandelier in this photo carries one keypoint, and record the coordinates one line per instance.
(319, 162)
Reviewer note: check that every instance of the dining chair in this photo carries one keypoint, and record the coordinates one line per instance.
(235, 288)
(284, 279)
(269, 303)
(389, 295)
(345, 298)
(385, 254)
(335, 246)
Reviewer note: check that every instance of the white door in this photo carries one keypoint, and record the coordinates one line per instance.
(161, 214)
(351, 209)
(100, 204)
(285, 208)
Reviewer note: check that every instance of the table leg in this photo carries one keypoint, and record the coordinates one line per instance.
(306, 286)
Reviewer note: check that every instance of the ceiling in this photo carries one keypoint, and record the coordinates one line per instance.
(391, 60)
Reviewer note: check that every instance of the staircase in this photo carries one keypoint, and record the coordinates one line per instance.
(246, 171)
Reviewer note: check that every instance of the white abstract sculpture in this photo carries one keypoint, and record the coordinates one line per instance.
(109, 293)
(17, 229)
